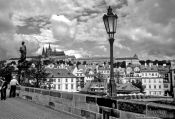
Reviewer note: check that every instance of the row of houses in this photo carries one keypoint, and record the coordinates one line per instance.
(155, 79)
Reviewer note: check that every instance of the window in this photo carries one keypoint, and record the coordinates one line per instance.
(150, 86)
(154, 86)
(54, 80)
(165, 85)
(160, 92)
(72, 86)
(72, 80)
(160, 86)
(149, 80)
(58, 80)
(59, 87)
(152, 74)
(154, 80)
(66, 80)
(66, 86)
(54, 86)
(145, 80)
(160, 81)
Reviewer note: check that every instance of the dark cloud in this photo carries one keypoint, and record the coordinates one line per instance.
(32, 25)
(158, 11)
(6, 24)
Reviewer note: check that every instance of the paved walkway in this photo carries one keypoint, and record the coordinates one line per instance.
(15, 108)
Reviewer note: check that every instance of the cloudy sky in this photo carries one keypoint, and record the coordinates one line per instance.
(145, 27)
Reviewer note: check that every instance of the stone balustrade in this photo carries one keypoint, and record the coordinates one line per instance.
(95, 107)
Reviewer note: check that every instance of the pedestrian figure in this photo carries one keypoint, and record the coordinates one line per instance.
(3, 90)
(13, 84)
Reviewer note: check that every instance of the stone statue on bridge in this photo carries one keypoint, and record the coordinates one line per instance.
(23, 52)
(22, 63)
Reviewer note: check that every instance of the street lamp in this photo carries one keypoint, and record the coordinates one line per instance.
(110, 22)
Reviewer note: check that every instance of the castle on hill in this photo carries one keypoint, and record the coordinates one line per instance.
(48, 52)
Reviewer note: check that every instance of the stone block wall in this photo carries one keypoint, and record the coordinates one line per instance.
(89, 106)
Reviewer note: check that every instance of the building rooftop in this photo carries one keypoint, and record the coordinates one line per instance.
(107, 58)
(60, 73)
(148, 68)
(127, 87)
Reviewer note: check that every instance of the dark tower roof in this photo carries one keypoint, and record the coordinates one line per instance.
(49, 47)
(135, 56)
(43, 52)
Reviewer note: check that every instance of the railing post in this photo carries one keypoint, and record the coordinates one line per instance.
(147, 108)
(105, 115)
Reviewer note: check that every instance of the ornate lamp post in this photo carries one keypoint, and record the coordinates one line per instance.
(110, 22)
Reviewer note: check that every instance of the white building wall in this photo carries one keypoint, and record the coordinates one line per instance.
(154, 86)
(63, 84)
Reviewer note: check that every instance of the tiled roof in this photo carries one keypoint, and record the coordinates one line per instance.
(148, 68)
(163, 69)
(133, 65)
(60, 73)
(104, 68)
(127, 87)
(87, 74)
(82, 68)
(71, 68)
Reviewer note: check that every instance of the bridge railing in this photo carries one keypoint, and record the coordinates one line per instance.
(95, 107)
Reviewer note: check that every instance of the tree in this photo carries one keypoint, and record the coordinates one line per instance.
(6, 72)
(142, 62)
(70, 63)
(148, 61)
(155, 62)
(78, 63)
(84, 62)
(117, 64)
(123, 64)
(38, 72)
(139, 85)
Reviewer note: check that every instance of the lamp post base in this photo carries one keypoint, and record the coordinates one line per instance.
(112, 88)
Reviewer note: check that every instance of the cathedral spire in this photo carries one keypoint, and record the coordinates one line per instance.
(49, 47)
(43, 52)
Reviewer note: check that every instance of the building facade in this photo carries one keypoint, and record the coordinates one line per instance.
(79, 73)
(152, 80)
(62, 80)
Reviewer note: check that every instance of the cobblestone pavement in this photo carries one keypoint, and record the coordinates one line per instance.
(15, 108)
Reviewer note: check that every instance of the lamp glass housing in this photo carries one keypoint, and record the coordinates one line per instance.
(110, 22)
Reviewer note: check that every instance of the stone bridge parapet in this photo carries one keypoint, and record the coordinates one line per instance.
(95, 107)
